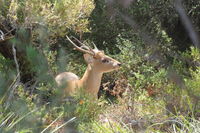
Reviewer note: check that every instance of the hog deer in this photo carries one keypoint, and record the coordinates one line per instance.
(97, 64)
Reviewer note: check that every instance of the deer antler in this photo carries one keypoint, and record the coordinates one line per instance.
(83, 45)
(95, 47)
(83, 48)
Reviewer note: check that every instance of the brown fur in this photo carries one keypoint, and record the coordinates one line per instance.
(91, 80)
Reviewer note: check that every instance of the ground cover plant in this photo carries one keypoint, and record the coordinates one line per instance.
(156, 90)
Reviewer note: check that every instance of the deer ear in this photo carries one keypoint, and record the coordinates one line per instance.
(88, 58)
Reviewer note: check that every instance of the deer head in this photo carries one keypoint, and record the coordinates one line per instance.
(96, 58)
(98, 63)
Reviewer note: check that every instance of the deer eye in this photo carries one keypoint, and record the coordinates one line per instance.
(105, 60)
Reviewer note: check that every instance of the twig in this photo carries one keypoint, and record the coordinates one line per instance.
(11, 90)
(187, 23)
(7, 118)
(4, 27)
(17, 80)
(1, 35)
(174, 128)
(10, 31)
(15, 59)
(17, 121)
(52, 123)
(166, 121)
(55, 130)
(6, 38)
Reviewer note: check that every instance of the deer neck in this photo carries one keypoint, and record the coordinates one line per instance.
(91, 80)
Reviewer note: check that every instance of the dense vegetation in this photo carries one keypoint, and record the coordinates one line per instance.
(157, 89)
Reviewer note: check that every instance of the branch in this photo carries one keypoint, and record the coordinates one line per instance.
(15, 59)
(1, 35)
(187, 23)
(6, 38)
(16, 83)
(4, 27)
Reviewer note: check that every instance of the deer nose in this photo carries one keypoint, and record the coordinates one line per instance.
(119, 64)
